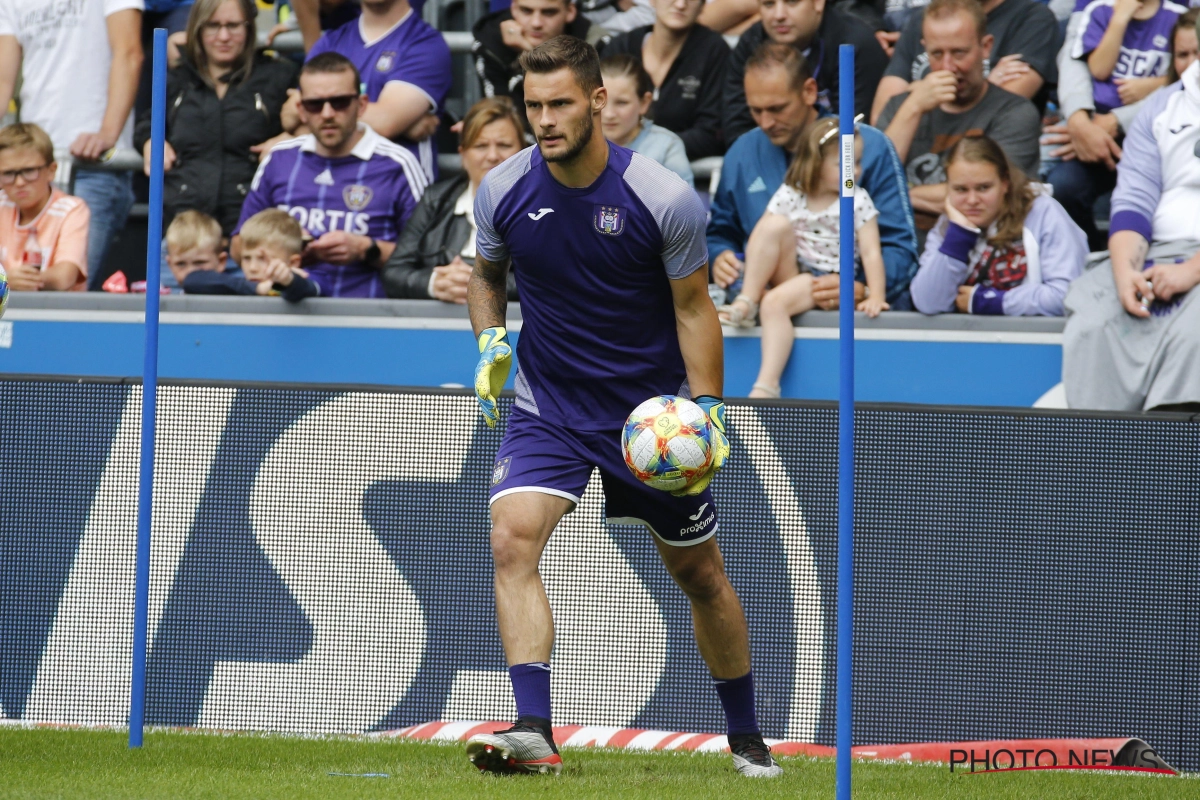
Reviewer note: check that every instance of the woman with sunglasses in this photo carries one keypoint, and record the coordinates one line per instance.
(223, 111)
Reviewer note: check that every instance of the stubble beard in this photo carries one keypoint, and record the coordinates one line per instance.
(585, 131)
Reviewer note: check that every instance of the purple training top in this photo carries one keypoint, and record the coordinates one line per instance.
(1145, 50)
(593, 269)
(371, 192)
(411, 52)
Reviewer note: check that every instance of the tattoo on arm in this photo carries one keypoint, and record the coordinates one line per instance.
(1137, 259)
(487, 293)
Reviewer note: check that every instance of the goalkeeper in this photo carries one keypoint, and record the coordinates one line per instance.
(611, 264)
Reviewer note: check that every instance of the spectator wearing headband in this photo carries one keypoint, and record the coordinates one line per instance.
(686, 63)
(1002, 246)
(630, 94)
(435, 254)
(782, 95)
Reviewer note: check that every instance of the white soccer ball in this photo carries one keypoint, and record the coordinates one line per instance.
(667, 442)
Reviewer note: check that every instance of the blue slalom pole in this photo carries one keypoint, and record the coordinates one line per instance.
(845, 591)
(141, 597)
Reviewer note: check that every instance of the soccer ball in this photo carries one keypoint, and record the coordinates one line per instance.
(3, 291)
(667, 442)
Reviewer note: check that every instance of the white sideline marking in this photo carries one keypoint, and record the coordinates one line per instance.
(444, 324)
(6, 334)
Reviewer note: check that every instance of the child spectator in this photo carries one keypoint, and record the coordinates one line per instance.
(43, 230)
(272, 245)
(630, 93)
(1002, 247)
(1126, 44)
(194, 244)
(797, 240)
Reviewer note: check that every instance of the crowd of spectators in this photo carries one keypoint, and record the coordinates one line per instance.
(990, 135)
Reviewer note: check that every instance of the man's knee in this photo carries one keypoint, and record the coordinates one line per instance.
(701, 579)
(514, 547)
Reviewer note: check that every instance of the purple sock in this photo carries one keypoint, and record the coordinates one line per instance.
(531, 688)
(737, 698)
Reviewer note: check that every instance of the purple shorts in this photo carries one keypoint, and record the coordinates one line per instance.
(539, 456)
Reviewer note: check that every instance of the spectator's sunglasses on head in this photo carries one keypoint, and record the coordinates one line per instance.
(316, 105)
(28, 174)
(214, 28)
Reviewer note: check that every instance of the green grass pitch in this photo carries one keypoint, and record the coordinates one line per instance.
(55, 763)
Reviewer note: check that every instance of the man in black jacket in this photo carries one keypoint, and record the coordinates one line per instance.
(815, 28)
(687, 63)
(500, 38)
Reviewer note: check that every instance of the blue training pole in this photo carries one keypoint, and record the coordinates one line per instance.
(845, 592)
(141, 597)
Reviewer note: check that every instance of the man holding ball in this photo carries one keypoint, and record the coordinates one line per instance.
(610, 258)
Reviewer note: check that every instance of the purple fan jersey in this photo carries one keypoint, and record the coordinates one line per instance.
(593, 268)
(412, 52)
(371, 192)
(1145, 48)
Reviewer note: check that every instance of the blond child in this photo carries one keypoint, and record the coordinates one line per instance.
(194, 243)
(272, 244)
(43, 230)
(796, 240)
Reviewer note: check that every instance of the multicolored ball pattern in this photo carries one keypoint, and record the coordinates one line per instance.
(667, 442)
(3, 291)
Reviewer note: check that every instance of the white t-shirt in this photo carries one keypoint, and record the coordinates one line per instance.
(817, 238)
(65, 63)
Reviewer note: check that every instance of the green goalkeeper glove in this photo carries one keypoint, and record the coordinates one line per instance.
(714, 407)
(495, 360)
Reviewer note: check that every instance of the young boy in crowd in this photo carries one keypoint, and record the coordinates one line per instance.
(194, 244)
(1127, 46)
(272, 244)
(43, 230)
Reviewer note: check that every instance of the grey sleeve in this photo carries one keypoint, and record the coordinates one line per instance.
(889, 111)
(680, 215)
(1017, 128)
(908, 47)
(1074, 79)
(1125, 114)
(488, 241)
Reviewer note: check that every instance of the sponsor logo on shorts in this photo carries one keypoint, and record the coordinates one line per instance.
(699, 526)
(501, 471)
(696, 516)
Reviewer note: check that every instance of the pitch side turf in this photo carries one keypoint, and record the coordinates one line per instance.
(51, 763)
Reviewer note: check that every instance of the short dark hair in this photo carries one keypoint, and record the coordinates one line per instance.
(330, 62)
(565, 52)
(773, 54)
(627, 65)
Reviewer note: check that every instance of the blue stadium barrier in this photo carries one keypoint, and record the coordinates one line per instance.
(320, 564)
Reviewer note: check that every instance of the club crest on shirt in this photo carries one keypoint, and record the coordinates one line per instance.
(357, 196)
(386, 61)
(501, 471)
(609, 220)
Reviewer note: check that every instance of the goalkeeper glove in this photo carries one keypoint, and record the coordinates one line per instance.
(495, 359)
(714, 407)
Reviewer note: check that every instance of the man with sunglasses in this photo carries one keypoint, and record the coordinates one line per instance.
(406, 72)
(351, 189)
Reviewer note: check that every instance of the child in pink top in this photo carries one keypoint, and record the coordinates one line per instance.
(43, 230)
